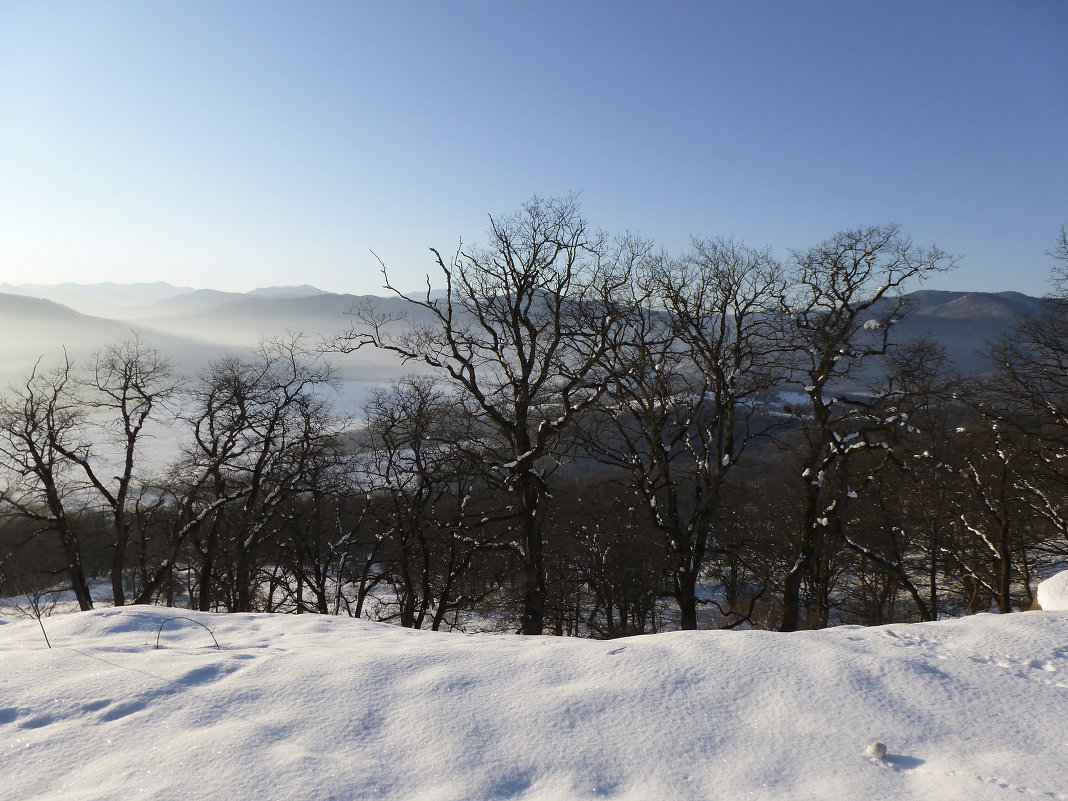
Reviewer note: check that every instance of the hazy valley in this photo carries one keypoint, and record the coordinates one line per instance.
(194, 326)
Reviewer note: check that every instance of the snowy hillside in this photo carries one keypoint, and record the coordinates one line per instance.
(312, 707)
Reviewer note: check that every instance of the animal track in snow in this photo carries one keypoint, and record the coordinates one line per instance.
(1018, 788)
(1042, 670)
(1038, 670)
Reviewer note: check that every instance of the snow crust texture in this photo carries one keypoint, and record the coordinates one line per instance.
(308, 707)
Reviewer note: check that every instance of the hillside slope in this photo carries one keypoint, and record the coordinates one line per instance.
(105, 299)
(33, 329)
(310, 707)
(964, 322)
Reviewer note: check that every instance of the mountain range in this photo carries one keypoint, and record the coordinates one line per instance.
(194, 326)
(191, 326)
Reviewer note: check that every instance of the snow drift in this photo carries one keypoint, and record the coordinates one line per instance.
(311, 707)
(1052, 594)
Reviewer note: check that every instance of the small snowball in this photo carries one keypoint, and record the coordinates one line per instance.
(875, 751)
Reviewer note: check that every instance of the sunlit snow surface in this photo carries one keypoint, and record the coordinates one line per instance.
(311, 707)
(1052, 594)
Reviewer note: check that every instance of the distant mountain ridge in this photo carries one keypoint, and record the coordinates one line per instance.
(965, 305)
(192, 328)
(106, 299)
(198, 324)
(302, 291)
(135, 292)
(125, 301)
(195, 300)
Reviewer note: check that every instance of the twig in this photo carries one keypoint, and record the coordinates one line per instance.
(159, 631)
(34, 601)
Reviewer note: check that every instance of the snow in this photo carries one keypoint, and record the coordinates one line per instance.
(313, 707)
(1052, 594)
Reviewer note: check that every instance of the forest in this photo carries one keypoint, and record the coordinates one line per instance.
(596, 438)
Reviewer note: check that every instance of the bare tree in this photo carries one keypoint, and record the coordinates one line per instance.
(843, 302)
(258, 425)
(611, 574)
(682, 407)
(519, 335)
(1059, 253)
(994, 518)
(125, 386)
(39, 422)
(1027, 392)
(422, 485)
(325, 541)
(915, 504)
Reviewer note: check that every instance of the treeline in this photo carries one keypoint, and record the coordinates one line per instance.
(600, 439)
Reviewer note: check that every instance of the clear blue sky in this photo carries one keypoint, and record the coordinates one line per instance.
(234, 145)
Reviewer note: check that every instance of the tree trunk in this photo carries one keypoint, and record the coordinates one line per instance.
(75, 571)
(533, 616)
(207, 574)
(243, 571)
(533, 612)
(118, 564)
(686, 597)
(71, 548)
(803, 565)
(791, 594)
(1004, 598)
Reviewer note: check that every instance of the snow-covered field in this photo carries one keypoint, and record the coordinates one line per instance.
(311, 707)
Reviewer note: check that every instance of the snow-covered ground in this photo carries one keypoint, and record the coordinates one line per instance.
(313, 707)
